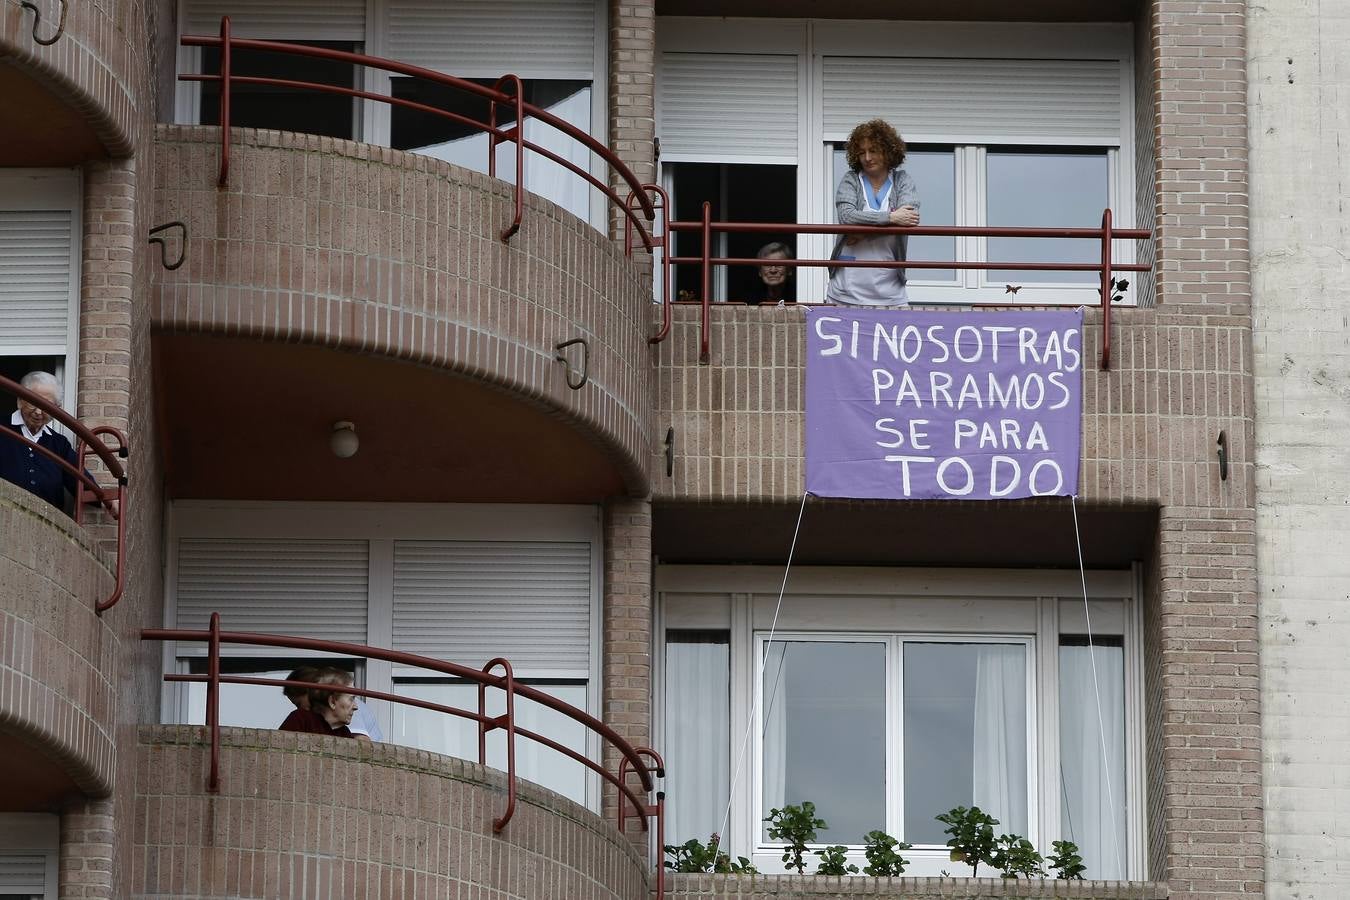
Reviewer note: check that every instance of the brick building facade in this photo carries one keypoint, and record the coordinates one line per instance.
(624, 540)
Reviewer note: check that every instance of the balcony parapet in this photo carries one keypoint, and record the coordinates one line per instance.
(347, 815)
(805, 887)
(56, 690)
(363, 248)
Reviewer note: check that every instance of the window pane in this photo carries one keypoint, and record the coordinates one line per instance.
(965, 734)
(282, 108)
(698, 691)
(824, 713)
(466, 146)
(1092, 752)
(934, 174)
(455, 736)
(1050, 190)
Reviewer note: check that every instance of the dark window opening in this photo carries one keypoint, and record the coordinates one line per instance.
(412, 129)
(738, 193)
(278, 107)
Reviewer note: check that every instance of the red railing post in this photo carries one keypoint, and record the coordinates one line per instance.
(517, 134)
(1106, 289)
(224, 179)
(213, 704)
(506, 721)
(703, 355)
(662, 243)
(655, 810)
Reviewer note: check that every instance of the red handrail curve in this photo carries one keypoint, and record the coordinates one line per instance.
(1106, 234)
(517, 134)
(494, 96)
(656, 810)
(661, 242)
(631, 758)
(86, 439)
(507, 722)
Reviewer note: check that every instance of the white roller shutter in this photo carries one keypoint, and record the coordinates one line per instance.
(36, 264)
(718, 105)
(309, 588)
(469, 601)
(976, 100)
(295, 20)
(487, 38)
(23, 874)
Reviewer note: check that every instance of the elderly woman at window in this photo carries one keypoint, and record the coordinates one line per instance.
(875, 191)
(21, 462)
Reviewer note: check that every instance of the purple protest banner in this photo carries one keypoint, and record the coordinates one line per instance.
(909, 405)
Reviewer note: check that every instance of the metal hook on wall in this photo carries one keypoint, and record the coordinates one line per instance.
(1223, 455)
(561, 357)
(670, 451)
(163, 245)
(37, 20)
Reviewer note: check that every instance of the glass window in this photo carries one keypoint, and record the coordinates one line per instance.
(698, 697)
(1045, 189)
(965, 734)
(464, 145)
(454, 736)
(1092, 751)
(283, 108)
(934, 172)
(824, 715)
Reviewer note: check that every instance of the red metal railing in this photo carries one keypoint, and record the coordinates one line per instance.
(87, 439)
(494, 95)
(707, 228)
(632, 759)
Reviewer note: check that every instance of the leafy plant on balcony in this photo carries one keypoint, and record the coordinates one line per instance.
(1016, 857)
(1065, 861)
(834, 861)
(972, 835)
(1118, 287)
(796, 827)
(693, 856)
(883, 855)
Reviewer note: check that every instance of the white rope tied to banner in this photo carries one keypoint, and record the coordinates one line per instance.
(750, 723)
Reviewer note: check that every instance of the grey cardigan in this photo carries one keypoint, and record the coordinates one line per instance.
(852, 209)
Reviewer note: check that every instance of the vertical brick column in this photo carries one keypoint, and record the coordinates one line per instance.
(87, 843)
(632, 103)
(1202, 629)
(106, 308)
(627, 625)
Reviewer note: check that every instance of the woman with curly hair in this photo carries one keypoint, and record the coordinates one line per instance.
(875, 191)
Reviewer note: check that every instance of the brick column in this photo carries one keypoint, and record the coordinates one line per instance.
(1207, 721)
(106, 293)
(627, 650)
(632, 105)
(88, 832)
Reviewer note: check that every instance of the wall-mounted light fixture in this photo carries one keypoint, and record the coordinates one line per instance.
(343, 441)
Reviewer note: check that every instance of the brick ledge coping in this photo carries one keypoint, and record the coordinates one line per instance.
(790, 887)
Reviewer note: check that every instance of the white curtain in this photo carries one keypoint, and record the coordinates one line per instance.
(698, 713)
(774, 699)
(1091, 817)
(1000, 758)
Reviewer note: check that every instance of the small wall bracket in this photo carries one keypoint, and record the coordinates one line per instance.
(37, 20)
(1222, 444)
(670, 452)
(575, 384)
(163, 245)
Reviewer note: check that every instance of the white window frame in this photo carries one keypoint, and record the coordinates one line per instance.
(382, 524)
(814, 39)
(372, 119)
(61, 189)
(28, 834)
(839, 603)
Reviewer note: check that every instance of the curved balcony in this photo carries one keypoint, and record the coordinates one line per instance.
(329, 266)
(72, 67)
(56, 692)
(302, 815)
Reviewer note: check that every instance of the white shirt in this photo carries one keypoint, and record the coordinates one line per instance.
(17, 419)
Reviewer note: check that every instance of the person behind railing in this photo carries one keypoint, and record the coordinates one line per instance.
(773, 279)
(20, 463)
(874, 191)
(319, 711)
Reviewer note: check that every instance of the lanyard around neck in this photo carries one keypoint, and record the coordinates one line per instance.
(875, 199)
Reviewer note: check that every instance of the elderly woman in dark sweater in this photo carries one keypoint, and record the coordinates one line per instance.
(875, 191)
